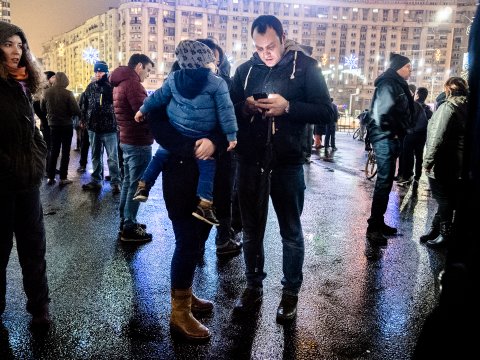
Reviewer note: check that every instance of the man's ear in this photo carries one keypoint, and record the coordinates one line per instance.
(138, 67)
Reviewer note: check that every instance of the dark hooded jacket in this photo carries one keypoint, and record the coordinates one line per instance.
(97, 106)
(22, 148)
(59, 103)
(197, 102)
(128, 96)
(392, 107)
(299, 80)
(420, 119)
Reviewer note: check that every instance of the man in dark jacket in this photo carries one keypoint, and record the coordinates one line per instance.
(60, 106)
(272, 145)
(414, 142)
(392, 111)
(135, 140)
(98, 114)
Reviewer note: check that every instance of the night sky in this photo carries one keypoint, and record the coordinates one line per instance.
(43, 19)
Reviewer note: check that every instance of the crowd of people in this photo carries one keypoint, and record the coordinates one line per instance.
(224, 152)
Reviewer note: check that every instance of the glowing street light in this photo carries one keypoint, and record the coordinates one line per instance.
(443, 14)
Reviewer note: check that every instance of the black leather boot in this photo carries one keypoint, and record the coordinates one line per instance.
(445, 233)
(287, 310)
(433, 232)
(249, 301)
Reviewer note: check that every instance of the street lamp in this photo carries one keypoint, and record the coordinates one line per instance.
(357, 91)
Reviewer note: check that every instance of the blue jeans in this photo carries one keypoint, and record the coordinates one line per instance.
(21, 214)
(135, 161)
(286, 187)
(206, 170)
(97, 142)
(386, 154)
(155, 166)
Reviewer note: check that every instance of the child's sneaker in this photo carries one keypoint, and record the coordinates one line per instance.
(206, 213)
(142, 192)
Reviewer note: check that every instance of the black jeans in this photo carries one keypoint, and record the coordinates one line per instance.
(330, 134)
(21, 214)
(61, 138)
(444, 193)
(413, 145)
(85, 145)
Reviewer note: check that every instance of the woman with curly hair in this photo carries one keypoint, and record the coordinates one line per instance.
(22, 165)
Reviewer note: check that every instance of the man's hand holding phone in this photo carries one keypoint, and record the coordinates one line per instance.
(272, 105)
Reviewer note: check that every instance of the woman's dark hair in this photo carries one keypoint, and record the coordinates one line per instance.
(35, 76)
(213, 46)
(456, 85)
(263, 22)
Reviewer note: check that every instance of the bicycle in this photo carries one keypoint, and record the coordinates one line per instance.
(371, 165)
(356, 133)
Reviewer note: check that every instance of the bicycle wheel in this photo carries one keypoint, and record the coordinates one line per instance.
(356, 133)
(371, 165)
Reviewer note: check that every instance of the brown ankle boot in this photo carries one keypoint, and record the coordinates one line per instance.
(201, 305)
(182, 320)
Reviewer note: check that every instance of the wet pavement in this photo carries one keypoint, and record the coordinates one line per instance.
(111, 300)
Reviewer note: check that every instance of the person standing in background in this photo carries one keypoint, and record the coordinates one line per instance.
(135, 140)
(84, 141)
(44, 128)
(331, 127)
(391, 117)
(443, 161)
(414, 142)
(60, 106)
(99, 118)
(22, 166)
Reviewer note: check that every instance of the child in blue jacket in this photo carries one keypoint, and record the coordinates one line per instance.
(197, 101)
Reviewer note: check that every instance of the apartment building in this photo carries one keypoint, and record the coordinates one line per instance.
(352, 39)
(5, 11)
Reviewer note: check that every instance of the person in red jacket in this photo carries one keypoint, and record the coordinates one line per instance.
(135, 140)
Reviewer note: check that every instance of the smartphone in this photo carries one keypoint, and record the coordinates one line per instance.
(260, 96)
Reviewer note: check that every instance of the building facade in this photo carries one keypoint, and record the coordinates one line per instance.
(352, 39)
(5, 11)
